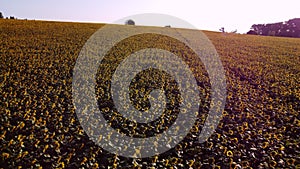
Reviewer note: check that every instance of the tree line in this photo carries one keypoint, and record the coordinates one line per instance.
(2, 17)
(289, 28)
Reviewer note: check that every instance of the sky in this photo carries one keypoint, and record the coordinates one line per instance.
(203, 14)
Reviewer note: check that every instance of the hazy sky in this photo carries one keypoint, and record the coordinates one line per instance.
(203, 14)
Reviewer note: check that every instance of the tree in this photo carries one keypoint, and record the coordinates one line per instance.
(1, 16)
(130, 22)
(222, 29)
(251, 32)
(289, 28)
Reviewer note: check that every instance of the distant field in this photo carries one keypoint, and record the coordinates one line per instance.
(260, 125)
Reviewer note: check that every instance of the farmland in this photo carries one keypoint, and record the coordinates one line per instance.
(260, 125)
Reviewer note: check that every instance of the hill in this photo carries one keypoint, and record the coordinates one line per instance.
(39, 126)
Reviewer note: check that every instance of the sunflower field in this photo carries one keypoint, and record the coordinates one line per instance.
(259, 128)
